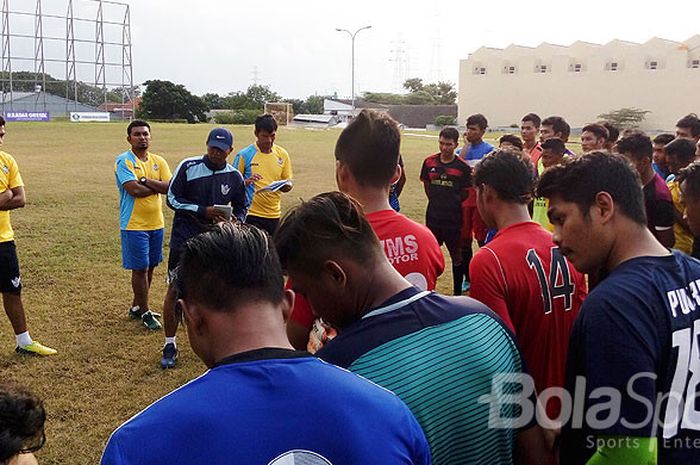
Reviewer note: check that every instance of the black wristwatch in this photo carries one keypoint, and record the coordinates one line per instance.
(143, 180)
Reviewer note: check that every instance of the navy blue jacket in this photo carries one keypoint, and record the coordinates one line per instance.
(197, 185)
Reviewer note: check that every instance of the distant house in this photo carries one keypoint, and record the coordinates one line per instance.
(315, 120)
(55, 105)
(412, 116)
(121, 110)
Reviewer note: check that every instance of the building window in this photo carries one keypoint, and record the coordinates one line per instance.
(576, 67)
(479, 70)
(694, 64)
(652, 64)
(612, 66)
(540, 68)
(509, 69)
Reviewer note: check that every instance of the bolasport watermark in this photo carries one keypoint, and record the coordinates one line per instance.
(513, 404)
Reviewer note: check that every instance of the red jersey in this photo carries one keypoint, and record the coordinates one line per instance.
(410, 247)
(522, 277)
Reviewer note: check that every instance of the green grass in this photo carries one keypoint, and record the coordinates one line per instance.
(75, 292)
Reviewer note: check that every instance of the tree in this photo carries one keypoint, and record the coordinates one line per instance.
(625, 118)
(213, 101)
(420, 97)
(443, 93)
(313, 105)
(413, 84)
(385, 98)
(166, 100)
(258, 95)
(297, 105)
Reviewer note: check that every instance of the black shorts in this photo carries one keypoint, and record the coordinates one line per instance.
(268, 225)
(451, 237)
(173, 261)
(10, 280)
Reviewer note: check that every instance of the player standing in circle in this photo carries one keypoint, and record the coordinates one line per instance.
(205, 190)
(446, 179)
(142, 177)
(263, 163)
(12, 197)
(521, 275)
(638, 331)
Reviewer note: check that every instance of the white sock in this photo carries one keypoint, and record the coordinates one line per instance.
(170, 340)
(23, 339)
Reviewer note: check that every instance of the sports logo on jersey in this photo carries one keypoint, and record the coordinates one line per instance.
(6, 169)
(432, 170)
(300, 457)
(155, 167)
(15, 282)
(279, 161)
(225, 189)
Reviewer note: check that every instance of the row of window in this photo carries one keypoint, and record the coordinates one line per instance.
(580, 67)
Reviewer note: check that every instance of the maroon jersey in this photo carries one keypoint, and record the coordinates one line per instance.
(522, 277)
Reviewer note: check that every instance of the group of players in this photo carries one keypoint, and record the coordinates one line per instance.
(362, 276)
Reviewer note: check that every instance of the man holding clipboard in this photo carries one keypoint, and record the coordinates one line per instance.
(267, 170)
(205, 190)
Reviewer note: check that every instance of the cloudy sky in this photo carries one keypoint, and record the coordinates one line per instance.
(292, 46)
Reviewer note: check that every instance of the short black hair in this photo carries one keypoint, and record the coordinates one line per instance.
(329, 225)
(22, 418)
(682, 149)
(512, 139)
(613, 131)
(690, 121)
(664, 139)
(580, 180)
(227, 265)
(369, 145)
(2, 121)
(266, 123)
(637, 145)
(533, 118)
(559, 125)
(691, 175)
(508, 174)
(600, 131)
(137, 123)
(478, 119)
(554, 144)
(449, 133)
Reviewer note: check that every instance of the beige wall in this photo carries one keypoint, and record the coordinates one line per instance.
(670, 91)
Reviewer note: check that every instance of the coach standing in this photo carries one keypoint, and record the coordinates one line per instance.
(11, 197)
(141, 177)
(202, 188)
(263, 163)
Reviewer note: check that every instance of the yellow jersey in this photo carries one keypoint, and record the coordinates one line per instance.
(684, 239)
(273, 166)
(9, 179)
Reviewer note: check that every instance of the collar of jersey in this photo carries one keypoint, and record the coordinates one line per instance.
(397, 305)
(264, 353)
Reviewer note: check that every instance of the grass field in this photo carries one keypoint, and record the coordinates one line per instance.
(76, 293)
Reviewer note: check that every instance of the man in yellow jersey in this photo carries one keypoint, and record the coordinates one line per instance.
(141, 178)
(553, 153)
(11, 197)
(267, 171)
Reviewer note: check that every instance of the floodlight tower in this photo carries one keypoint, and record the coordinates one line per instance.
(352, 37)
(39, 64)
(6, 55)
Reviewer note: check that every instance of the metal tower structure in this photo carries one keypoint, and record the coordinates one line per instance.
(15, 39)
(401, 62)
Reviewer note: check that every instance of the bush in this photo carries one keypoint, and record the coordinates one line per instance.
(176, 120)
(445, 120)
(224, 117)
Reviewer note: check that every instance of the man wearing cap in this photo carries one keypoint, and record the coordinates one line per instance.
(200, 190)
(262, 164)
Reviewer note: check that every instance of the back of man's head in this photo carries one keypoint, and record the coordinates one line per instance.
(369, 146)
(613, 132)
(329, 226)
(580, 181)
(22, 418)
(507, 174)
(636, 145)
(556, 145)
(229, 265)
(683, 150)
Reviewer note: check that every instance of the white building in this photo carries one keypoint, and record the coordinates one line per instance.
(581, 81)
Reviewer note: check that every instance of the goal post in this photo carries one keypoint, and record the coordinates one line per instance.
(282, 112)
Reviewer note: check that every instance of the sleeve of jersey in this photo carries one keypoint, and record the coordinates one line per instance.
(165, 173)
(663, 214)
(112, 454)
(239, 202)
(620, 346)
(176, 197)
(287, 168)
(15, 179)
(487, 284)
(424, 172)
(421, 448)
(125, 171)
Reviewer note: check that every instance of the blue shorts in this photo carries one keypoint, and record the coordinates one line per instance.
(142, 249)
